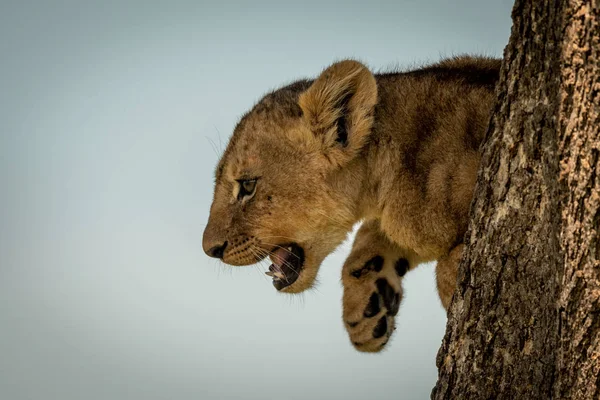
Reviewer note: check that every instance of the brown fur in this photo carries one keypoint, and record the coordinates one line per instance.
(399, 151)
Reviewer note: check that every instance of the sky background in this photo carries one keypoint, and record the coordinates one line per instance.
(112, 116)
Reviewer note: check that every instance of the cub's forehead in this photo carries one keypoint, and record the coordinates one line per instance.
(251, 137)
(243, 152)
(261, 130)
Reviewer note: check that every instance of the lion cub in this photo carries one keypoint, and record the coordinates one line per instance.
(398, 151)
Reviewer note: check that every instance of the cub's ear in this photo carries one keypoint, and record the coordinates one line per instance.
(338, 108)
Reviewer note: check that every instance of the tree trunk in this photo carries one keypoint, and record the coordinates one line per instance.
(525, 319)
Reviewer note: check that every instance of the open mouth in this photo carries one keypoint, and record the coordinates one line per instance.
(288, 261)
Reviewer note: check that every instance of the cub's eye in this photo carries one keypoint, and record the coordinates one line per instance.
(247, 188)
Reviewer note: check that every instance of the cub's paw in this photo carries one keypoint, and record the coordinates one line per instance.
(372, 296)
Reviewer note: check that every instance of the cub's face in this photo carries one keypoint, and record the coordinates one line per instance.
(283, 187)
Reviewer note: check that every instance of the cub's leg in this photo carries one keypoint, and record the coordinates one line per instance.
(372, 280)
(445, 274)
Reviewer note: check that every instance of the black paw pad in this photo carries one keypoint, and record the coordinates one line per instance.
(357, 273)
(374, 264)
(401, 266)
(391, 299)
(395, 306)
(381, 328)
(373, 307)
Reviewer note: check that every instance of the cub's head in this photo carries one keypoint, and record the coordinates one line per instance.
(289, 182)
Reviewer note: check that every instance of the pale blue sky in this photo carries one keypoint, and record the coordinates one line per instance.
(109, 112)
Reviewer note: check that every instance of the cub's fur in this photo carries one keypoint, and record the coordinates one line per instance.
(399, 151)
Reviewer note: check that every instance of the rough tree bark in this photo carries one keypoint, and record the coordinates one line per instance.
(525, 319)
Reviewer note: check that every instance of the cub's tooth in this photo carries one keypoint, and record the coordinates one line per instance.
(270, 273)
(289, 248)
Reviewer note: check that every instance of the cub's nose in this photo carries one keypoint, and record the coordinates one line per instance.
(216, 251)
(214, 240)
